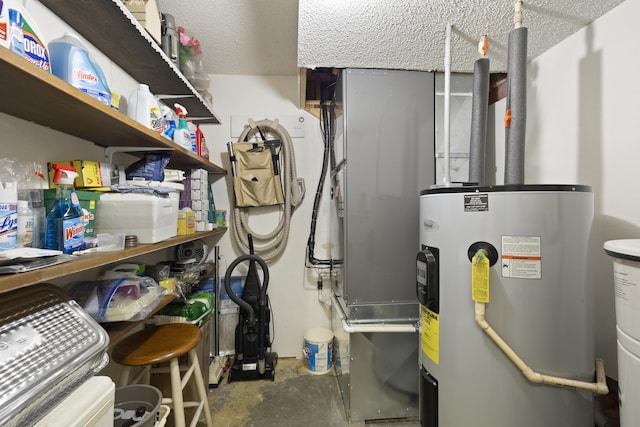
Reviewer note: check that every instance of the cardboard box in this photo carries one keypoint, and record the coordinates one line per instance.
(90, 174)
(147, 14)
(88, 202)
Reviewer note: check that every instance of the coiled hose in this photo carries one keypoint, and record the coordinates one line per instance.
(271, 245)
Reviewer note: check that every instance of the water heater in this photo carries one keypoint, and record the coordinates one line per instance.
(540, 303)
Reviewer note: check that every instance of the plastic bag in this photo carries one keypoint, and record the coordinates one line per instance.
(150, 167)
(190, 58)
(115, 300)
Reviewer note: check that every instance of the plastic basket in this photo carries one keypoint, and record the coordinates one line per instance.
(163, 414)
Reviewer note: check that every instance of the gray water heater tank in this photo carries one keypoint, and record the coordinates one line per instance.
(541, 303)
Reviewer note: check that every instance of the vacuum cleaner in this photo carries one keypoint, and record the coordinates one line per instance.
(252, 360)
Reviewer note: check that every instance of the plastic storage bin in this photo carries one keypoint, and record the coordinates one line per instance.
(626, 286)
(90, 405)
(151, 218)
(130, 399)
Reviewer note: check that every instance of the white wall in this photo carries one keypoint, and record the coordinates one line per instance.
(292, 286)
(583, 108)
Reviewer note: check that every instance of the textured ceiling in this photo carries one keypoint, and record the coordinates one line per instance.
(275, 37)
(252, 37)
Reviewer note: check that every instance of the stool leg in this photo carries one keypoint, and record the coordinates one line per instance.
(176, 393)
(124, 376)
(202, 390)
(146, 377)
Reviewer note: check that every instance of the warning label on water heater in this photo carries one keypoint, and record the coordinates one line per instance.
(521, 257)
(430, 331)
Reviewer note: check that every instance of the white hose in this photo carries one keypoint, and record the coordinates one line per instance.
(269, 246)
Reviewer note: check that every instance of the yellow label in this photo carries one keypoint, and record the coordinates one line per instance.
(480, 278)
(191, 222)
(92, 204)
(430, 339)
(182, 223)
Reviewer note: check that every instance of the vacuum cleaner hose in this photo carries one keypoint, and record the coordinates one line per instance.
(272, 244)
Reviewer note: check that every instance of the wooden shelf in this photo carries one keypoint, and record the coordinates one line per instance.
(93, 260)
(111, 28)
(35, 95)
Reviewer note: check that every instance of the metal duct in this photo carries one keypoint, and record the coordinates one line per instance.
(516, 106)
(479, 110)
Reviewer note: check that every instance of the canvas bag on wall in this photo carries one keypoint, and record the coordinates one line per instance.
(257, 179)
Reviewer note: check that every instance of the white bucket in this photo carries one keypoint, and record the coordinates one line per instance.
(317, 350)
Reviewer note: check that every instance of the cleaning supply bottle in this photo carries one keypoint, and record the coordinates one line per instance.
(16, 37)
(202, 143)
(192, 133)
(39, 220)
(36, 204)
(65, 223)
(182, 134)
(8, 214)
(25, 224)
(199, 139)
(144, 109)
(70, 61)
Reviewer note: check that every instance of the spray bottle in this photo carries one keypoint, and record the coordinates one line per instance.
(36, 203)
(65, 223)
(201, 143)
(182, 134)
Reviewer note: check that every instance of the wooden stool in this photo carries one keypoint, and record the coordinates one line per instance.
(159, 345)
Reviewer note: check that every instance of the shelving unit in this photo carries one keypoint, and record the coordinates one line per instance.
(51, 102)
(34, 95)
(97, 259)
(111, 28)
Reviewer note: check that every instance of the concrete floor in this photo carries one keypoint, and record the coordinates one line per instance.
(295, 399)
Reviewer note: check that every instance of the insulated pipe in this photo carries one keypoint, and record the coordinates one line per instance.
(516, 114)
(369, 327)
(447, 107)
(479, 111)
(599, 387)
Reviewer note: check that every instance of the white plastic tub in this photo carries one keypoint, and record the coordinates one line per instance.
(626, 281)
(90, 405)
(151, 218)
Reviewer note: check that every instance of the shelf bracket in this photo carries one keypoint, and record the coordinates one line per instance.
(109, 151)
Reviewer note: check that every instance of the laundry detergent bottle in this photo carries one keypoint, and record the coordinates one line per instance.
(144, 109)
(182, 134)
(65, 222)
(70, 61)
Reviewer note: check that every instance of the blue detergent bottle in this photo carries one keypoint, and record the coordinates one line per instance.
(70, 61)
(65, 222)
